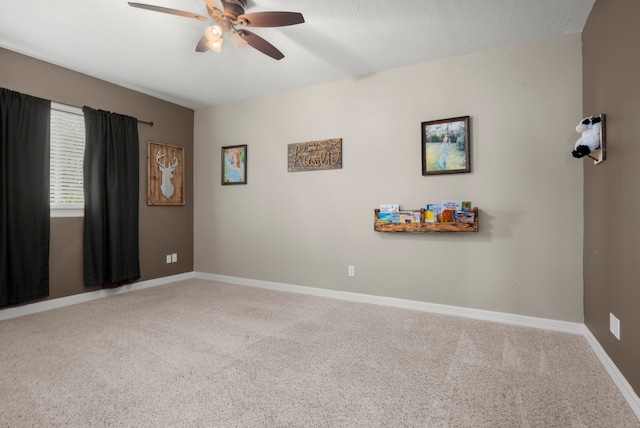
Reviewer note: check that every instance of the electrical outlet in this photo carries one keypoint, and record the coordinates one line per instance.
(351, 271)
(174, 257)
(168, 258)
(611, 323)
(614, 326)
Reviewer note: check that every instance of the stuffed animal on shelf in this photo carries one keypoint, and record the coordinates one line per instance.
(589, 127)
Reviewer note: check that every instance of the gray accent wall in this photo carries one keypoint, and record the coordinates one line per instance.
(611, 80)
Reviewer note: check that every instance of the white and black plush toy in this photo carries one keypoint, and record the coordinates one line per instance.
(589, 127)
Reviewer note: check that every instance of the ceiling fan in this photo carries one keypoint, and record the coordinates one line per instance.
(230, 21)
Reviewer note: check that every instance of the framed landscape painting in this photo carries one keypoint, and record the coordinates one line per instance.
(446, 146)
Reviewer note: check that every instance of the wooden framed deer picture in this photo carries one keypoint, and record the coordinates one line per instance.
(165, 174)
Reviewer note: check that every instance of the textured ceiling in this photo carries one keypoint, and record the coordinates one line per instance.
(154, 53)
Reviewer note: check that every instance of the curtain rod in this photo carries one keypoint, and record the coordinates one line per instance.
(71, 105)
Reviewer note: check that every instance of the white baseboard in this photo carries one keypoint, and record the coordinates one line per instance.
(522, 320)
(46, 305)
(618, 378)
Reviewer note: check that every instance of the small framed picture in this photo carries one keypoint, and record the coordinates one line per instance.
(234, 164)
(446, 146)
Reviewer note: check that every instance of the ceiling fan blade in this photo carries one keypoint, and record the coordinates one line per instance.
(271, 19)
(212, 10)
(233, 8)
(202, 45)
(169, 11)
(261, 44)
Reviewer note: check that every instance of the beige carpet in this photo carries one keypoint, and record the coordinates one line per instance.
(205, 354)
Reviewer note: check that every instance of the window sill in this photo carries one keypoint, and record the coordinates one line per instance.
(57, 212)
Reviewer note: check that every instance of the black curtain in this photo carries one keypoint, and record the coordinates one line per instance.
(24, 197)
(111, 177)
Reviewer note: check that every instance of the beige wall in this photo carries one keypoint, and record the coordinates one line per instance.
(304, 228)
(611, 71)
(163, 230)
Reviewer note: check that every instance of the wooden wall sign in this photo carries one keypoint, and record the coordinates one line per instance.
(315, 155)
(165, 174)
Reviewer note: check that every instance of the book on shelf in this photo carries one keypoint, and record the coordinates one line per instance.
(448, 215)
(465, 216)
(405, 217)
(431, 212)
(457, 205)
(385, 213)
(451, 205)
(447, 211)
(389, 208)
(385, 217)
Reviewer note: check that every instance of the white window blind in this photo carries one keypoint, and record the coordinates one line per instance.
(67, 153)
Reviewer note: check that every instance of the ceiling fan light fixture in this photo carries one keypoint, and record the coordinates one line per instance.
(215, 46)
(213, 33)
(237, 41)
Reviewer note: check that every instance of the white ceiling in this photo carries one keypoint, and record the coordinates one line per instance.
(154, 53)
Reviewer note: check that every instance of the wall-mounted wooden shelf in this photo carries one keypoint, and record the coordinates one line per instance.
(425, 227)
(599, 155)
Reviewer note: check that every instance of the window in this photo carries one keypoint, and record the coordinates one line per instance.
(67, 153)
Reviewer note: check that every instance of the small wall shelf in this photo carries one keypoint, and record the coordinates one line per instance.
(599, 155)
(425, 227)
